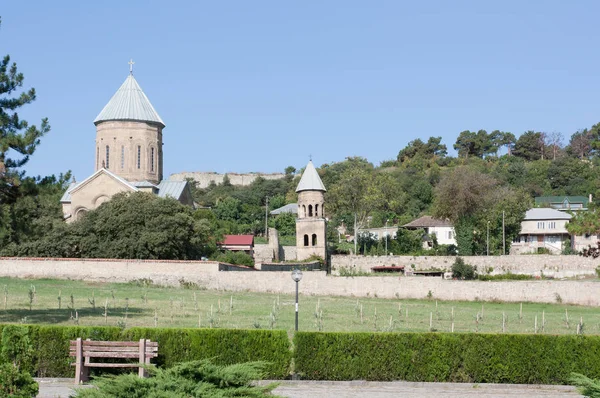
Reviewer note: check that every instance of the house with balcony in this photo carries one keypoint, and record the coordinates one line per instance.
(542, 228)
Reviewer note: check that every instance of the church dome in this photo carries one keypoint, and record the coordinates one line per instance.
(310, 180)
(129, 103)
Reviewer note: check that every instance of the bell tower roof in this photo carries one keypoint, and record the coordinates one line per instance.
(310, 180)
(129, 103)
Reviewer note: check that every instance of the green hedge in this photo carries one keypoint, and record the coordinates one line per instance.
(226, 346)
(478, 358)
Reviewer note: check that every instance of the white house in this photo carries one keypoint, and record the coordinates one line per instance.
(442, 229)
(542, 228)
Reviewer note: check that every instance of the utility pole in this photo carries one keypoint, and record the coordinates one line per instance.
(386, 236)
(503, 236)
(267, 219)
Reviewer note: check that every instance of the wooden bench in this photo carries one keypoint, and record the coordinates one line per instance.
(85, 350)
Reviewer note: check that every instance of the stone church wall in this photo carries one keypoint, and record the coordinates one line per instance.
(205, 178)
(207, 275)
(535, 265)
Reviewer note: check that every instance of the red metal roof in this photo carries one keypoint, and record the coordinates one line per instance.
(247, 240)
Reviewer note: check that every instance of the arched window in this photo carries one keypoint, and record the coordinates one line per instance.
(107, 156)
(122, 157)
(139, 157)
(152, 159)
(303, 211)
(305, 240)
(314, 239)
(317, 210)
(310, 213)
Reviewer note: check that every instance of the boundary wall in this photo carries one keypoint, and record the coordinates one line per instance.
(204, 178)
(557, 266)
(207, 275)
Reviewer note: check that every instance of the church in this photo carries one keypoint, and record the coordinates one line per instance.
(128, 154)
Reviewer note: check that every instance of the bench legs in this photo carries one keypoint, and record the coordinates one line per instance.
(142, 372)
(81, 371)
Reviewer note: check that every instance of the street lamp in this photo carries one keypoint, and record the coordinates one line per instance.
(386, 237)
(296, 276)
(488, 238)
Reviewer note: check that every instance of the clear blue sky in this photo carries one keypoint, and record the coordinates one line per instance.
(261, 85)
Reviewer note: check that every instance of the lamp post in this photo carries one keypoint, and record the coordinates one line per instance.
(488, 238)
(296, 276)
(386, 236)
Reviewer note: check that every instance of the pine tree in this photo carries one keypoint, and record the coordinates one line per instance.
(18, 139)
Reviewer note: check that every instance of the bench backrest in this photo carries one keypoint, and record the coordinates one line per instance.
(115, 349)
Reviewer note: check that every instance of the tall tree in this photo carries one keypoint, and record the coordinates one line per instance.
(18, 139)
(580, 144)
(528, 146)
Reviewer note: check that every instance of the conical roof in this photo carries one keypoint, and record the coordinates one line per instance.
(129, 103)
(310, 180)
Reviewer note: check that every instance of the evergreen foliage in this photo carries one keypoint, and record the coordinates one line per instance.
(49, 346)
(444, 357)
(586, 386)
(185, 380)
(462, 270)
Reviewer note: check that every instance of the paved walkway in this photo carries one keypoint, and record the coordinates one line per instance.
(61, 388)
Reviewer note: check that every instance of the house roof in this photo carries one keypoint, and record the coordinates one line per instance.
(238, 240)
(427, 222)
(546, 214)
(542, 200)
(310, 180)
(289, 208)
(129, 103)
(143, 184)
(102, 171)
(166, 188)
(171, 188)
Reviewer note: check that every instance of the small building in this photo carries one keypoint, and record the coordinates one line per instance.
(442, 229)
(380, 232)
(236, 243)
(542, 228)
(564, 203)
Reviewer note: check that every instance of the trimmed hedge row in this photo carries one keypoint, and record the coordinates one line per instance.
(51, 346)
(477, 358)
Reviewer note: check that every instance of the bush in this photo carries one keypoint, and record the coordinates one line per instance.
(235, 258)
(586, 386)
(190, 379)
(509, 276)
(461, 270)
(16, 383)
(50, 355)
(444, 357)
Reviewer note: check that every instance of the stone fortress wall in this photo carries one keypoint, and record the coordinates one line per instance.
(204, 178)
(556, 266)
(207, 275)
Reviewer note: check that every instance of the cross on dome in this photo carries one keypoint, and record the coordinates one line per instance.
(131, 66)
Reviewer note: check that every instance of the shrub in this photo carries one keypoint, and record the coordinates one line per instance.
(235, 258)
(598, 272)
(509, 276)
(189, 379)
(50, 355)
(461, 270)
(16, 383)
(585, 385)
(444, 357)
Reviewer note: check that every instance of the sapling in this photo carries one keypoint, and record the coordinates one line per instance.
(431, 321)
(535, 325)
(31, 294)
(567, 317)
(5, 296)
(59, 299)
(521, 313)
(195, 302)
(106, 311)
(92, 300)
(155, 317)
(72, 305)
(503, 322)
(230, 305)
(452, 318)
(543, 321)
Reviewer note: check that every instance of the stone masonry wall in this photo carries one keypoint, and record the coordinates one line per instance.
(206, 274)
(535, 265)
(205, 178)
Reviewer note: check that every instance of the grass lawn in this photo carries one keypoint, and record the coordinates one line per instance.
(130, 305)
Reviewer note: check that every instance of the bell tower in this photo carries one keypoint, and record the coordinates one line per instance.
(311, 223)
(129, 135)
